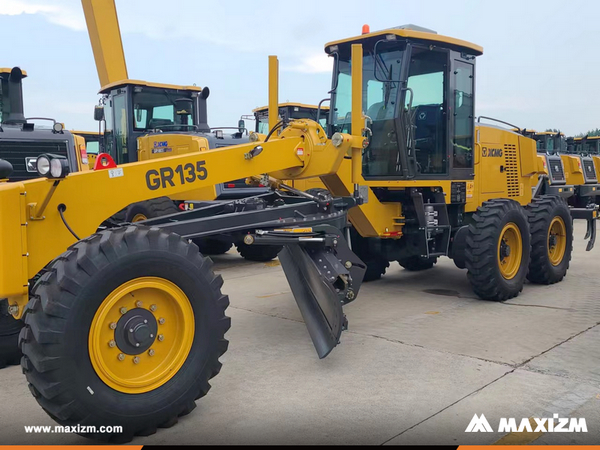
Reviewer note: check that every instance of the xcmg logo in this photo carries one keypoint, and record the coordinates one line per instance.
(491, 152)
(553, 424)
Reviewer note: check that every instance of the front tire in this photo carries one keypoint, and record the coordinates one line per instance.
(498, 248)
(79, 348)
(551, 227)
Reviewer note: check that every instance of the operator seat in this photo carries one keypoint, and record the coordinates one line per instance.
(158, 123)
(428, 137)
(381, 156)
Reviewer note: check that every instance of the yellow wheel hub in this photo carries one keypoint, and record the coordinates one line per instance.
(510, 250)
(141, 335)
(139, 218)
(557, 240)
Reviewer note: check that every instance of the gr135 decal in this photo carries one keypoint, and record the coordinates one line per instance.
(178, 175)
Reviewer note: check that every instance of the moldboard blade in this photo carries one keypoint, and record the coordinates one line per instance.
(317, 299)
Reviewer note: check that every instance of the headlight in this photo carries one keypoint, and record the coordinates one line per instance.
(52, 166)
(337, 139)
(43, 165)
(56, 168)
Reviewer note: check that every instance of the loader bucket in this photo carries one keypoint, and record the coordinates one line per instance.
(323, 276)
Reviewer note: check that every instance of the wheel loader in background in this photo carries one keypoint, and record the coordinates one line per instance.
(21, 142)
(589, 146)
(125, 326)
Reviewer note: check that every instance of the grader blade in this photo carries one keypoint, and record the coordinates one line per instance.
(323, 274)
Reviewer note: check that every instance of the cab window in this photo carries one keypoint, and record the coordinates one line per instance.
(427, 81)
(462, 143)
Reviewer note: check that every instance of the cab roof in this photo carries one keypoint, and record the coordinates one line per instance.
(554, 133)
(107, 88)
(412, 32)
(85, 133)
(292, 104)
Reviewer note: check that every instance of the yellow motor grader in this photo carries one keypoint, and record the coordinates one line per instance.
(125, 325)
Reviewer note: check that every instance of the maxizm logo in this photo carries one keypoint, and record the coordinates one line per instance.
(553, 424)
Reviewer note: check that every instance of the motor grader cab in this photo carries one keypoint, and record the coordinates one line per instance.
(125, 326)
(441, 182)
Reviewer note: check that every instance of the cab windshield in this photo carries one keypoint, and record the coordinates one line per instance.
(162, 109)
(380, 92)
(591, 147)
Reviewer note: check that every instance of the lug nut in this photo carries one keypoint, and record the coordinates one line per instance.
(136, 360)
(123, 310)
(161, 337)
(138, 304)
(131, 330)
(145, 321)
(112, 325)
(152, 307)
(111, 343)
(137, 344)
(151, 352)
(121, 357)
(151, 336)
(161, 321)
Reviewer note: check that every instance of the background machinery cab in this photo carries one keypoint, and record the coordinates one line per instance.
(290, 110)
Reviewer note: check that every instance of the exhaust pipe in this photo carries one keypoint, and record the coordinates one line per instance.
(203, 111)
(15, 97)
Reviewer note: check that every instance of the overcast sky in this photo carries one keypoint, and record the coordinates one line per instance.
(539, 68)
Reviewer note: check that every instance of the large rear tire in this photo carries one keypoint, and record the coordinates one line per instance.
(9, 337)
(551, 227)
(150, 209)
(498, 248)
(124, 329)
